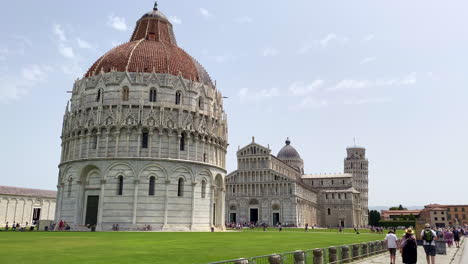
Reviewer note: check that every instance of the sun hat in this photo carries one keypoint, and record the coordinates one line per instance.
(427, 226)
(409, 231)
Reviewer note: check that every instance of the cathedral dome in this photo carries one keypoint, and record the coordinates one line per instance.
(288, 151)
(152, 48)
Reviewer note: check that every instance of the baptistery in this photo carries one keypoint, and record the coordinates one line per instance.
(144, 139)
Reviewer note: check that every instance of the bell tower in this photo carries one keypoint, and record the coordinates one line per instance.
(356, 164)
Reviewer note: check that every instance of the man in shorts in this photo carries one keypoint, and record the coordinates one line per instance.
(391, 242)
(456, 237)
(429, 237)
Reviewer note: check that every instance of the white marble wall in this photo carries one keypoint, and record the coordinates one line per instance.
(19, 209)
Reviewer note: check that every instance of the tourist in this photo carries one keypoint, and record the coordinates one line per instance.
(13, 227)
(60, 225)
(429, 236)
(409, 247)
(280, 228)
(391, 242)
(456, 237)
(448, 236)
(306, 227)
(6, 226)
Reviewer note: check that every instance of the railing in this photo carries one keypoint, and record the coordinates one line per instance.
(330, 255)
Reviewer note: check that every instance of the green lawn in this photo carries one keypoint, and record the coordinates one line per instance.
(160, 247)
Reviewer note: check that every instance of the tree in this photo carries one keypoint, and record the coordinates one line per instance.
(374, 217)
(400, 207)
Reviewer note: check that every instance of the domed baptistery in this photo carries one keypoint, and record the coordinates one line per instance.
(144, 139)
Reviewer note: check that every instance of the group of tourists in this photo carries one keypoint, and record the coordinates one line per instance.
(407, 245)
(17, 227)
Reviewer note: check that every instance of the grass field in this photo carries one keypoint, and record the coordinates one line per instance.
(160, 247)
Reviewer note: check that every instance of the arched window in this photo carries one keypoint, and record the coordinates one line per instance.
(200, 103)
(99, 96)
(125, 93)
(329, 211)
(70, 182)
(151, 185)
(120, 186)
(203, 189)
(182, 142)
(180, 187)
(204, 157)
(178, 98)
(152, 95)
(94, 141)
(144, 140)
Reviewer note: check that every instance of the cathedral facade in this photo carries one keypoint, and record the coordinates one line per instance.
(144, 139)
(269, 189)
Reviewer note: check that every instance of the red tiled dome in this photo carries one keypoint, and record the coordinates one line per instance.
(152, 47)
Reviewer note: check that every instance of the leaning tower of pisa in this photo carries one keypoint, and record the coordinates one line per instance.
(356, 164)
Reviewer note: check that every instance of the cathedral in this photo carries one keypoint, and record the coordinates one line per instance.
(144, 139)
(269, 189)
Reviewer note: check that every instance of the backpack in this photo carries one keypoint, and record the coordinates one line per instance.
(428, 236)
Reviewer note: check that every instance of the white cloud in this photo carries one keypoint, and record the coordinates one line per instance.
(270, 52)
(310, 102)
(13, 87)
(300, 88)
(244, 20)
(246, 94)
(327, 39)
(118, 23)
(175, 20)
(347, 84)
(63, 47)
(376, 100)
(58, 30)
(204, 12)
(367, 60)
(368, 38)
(83, 44)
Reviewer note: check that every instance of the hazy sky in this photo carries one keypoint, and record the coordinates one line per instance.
(390, 73)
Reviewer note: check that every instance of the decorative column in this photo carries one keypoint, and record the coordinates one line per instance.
(364, 250)
(150, 142)
(160, 143)
(136, 183)
(213, 187)
(355, 251)
(166, 202)
(275, 259)
(107, 143)
(187, 149)
(80, 154)
(101, 205)
(332, 255)
(299, 257)
(139, 142)
(117, 139)
(98, 135)
(192, 218)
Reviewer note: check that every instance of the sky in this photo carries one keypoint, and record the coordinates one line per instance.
(391, 74)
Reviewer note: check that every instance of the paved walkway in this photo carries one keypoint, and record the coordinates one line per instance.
(454, 256)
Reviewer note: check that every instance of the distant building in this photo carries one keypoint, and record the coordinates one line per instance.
(26, 206)
(274, 189)
(395, 214)
(445, 215)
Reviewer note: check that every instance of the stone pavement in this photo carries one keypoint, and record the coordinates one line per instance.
(454, 256)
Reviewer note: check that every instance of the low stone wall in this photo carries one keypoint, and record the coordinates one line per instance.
(330, 255)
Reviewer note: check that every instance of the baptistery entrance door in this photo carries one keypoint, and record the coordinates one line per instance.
(276, 218)
(253, 215)
(92, 206)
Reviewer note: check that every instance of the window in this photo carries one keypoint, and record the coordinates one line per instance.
(339, 196)
(463, 209)
(178, 97)
(456, 209)
(151, 185)
(441, 212)
(120, 187)
(204, 157)
(435, 218)
(180, 187)
(70, 182)
(321, 182)
(98, 96)
(94, 142)
(443, 218)
(463, 216)
(152, 95)
(200, 103)
(144, 140)
(343, 181)
(125, 93)
(333, 196)
(203, 189)
(326, 196)
(329, 211)
(182, 142)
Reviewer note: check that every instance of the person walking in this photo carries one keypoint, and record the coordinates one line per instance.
(409, 247)
(456, 237)
(429, 237)
(391, 242)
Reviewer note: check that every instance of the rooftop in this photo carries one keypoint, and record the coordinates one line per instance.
(326, 175)
(16, 191)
